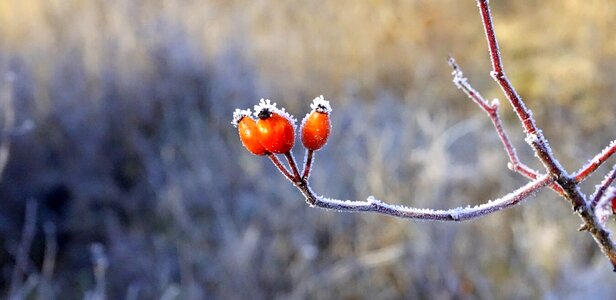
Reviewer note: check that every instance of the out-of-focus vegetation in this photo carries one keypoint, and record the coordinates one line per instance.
(133, 147)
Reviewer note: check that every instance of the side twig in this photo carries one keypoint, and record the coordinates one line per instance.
(609, 179)
(596, 162)
(280, 167)
(454, 214)
(492, 110)
(307, 164)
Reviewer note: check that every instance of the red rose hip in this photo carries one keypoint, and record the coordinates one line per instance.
(249, 135)
(275, 127)
(316, 125)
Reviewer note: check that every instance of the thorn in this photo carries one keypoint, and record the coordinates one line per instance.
(584, 227)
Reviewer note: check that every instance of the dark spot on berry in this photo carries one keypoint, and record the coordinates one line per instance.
(264, 114)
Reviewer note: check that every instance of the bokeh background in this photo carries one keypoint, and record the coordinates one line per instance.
(139, 188)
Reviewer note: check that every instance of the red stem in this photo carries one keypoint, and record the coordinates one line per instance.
(609, 179)
(293, 165)
(492, 110)
(596, 162)
(280, 167)
(308, 164)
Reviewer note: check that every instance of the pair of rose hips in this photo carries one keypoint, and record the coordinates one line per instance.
(274, 129)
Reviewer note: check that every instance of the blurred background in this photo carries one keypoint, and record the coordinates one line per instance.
(133, 184)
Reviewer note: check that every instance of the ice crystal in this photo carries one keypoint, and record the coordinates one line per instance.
(267, 104)
(603, 210)
(531, 138)
(321, 105)
(495, 103)
(238, 114)
(601, 156)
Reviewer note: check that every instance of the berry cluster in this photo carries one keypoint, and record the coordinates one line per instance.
(273, 132)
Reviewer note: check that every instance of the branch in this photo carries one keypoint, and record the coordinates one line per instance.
(541, 147)
(293, 165)
(597, 161)
(454, 214)
(524, 114)
(307, 164)
(492, 110)
(280, 167)
(609, 179)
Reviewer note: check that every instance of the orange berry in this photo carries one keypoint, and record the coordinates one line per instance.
(316, 126)
(249, 134)
(276, 128)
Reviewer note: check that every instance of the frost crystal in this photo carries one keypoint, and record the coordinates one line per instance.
(532, 138)
(603, 210)
(495, 103)
(238, 114)
(321, 105)
(266, 104)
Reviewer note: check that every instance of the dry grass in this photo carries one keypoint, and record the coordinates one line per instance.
(133, 148)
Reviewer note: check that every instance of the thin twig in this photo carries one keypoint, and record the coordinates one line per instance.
(524, 114)
(596, 162)
(280, 167)
(609, 179)
(293, 165)
(455, 214)
(23, 250)
(492, 110)
(307, 164)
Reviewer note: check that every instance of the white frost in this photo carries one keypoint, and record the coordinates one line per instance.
(267, 104)
(321, 105)
(238, 114)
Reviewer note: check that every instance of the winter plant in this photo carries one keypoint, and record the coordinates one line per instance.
(273, 133)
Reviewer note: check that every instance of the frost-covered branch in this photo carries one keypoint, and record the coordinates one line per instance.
(492, 110)
(541, 148)
(540, 145)
(455, 214)
(602, 188)
(280, 167)
(308, 164)
(596, 162)
(272, 133)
